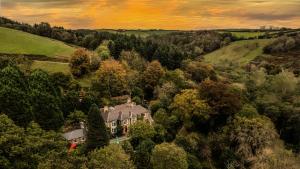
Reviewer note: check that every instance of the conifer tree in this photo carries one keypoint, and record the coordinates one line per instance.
(97, 136)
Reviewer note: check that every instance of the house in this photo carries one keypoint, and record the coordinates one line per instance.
(124, 115)
(76, 136)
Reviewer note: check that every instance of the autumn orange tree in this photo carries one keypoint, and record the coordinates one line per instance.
(111, 79)
(151, 76)
(190, 107)
(80, 62)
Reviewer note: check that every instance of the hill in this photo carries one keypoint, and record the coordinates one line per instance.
(141, 33)
(237, 53)
(18, 42)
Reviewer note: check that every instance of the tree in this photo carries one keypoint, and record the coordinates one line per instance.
(249, 137)
(61, 80)
(111, 79)
(248, 111)
(97, 136)
(45, 101)
(152, 75)
(110, 157)
(140, 131)
(195, 144)
(223, 101)
(14, 99)
(198, 71)
(284, 83)
(291, 131)
(75, 118)
(62, 160)
(103, 51)
(79, 62)
(26, 148)
(133, 59)
(94, 61)
(190, 107)
(142, 155)
(168, 155)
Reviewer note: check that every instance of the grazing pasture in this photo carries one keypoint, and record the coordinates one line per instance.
(18, 42)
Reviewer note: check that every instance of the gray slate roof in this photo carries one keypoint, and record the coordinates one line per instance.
(74, 134)
(121, 112)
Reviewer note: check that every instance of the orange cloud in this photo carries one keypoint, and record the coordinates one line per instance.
(146, 14)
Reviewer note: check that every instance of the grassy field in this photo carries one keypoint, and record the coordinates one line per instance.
(55, 67)
(51, 67)
(239, 53)
(18, 42)
(244, 34)
(86, 81)
(141, 33)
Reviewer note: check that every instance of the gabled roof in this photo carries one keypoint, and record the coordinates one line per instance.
(74, 134)
(121, 112)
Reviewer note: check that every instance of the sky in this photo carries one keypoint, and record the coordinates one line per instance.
(155, 14)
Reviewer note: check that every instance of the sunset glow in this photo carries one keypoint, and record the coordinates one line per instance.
(157, 14)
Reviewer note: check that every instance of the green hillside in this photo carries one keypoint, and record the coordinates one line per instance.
(56, 67)
(18, 42)
(244, 34)
(51, 67)
(238, 53)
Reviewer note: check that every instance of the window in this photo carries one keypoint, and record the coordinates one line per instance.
(113, 130)
(113, 123)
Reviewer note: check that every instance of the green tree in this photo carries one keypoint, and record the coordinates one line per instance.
(168, 155)
(110, 157)
(97, 136)
(103, 51)
(22, 149)
(248, 111)
(284, 83)
(142, 155)
(249, 137)
(75, 118)
(133, 59)
(80, 63)
(45, 101)
(141, 131)
(14, 100)
(62, 160)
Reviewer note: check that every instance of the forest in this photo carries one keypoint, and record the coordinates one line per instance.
(205, 116)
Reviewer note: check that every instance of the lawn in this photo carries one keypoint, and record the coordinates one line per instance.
(239, 53)
(18, 42)
(86, 81)
(51, 67)
(244, 34)
(55, 67)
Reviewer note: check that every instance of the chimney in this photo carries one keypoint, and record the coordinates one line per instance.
(132, 104)
(105, 109)
(120, 116)
(82, 125)
(128, 100)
